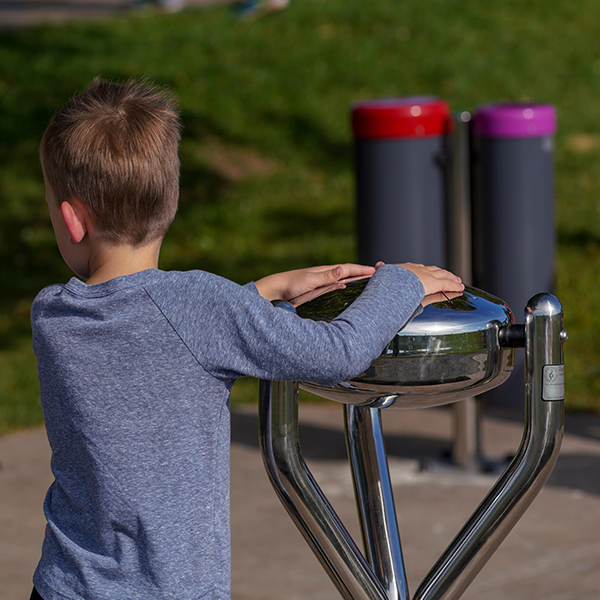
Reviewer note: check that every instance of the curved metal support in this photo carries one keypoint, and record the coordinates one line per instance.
(375, 499)
(304, 501)
(525, 476)
(488, 526)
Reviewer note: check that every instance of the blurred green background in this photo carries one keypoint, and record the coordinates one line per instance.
(267, 181)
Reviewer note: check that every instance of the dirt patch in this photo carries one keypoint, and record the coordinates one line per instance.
(583, 142)
(232, 163)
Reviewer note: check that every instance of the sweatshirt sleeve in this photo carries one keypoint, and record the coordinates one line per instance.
(233, 332)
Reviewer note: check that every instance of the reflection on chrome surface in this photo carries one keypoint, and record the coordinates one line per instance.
(449, 352)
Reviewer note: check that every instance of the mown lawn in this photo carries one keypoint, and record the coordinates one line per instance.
(267, 181)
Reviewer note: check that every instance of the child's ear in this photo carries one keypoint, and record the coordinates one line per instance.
(75, 217)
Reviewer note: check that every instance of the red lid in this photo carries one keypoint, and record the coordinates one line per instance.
(412, 117)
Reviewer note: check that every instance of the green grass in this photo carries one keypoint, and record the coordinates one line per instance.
(267, 179)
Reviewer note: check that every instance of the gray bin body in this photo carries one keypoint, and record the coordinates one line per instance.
(514, 241)
(400, 200)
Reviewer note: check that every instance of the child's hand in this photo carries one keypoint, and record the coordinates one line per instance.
(302, 285)
(439, 284)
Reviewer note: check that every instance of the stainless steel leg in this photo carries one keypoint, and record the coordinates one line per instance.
(488, 526)
(525, 476)
(375, 499)
(303, 499)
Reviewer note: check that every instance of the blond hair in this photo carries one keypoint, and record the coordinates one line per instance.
(115, 148)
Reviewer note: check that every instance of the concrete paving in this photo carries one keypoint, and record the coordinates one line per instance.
(22, 13)
(552, 554)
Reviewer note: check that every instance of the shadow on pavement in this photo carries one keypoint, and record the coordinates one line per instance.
(573, 471)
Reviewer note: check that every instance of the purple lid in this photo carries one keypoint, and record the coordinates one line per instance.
(515, 120)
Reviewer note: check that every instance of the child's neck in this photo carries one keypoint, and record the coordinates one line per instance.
(112, 261)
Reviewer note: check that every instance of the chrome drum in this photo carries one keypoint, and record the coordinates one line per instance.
(448, 352)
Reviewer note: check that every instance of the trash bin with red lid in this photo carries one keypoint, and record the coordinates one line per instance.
(400, 162)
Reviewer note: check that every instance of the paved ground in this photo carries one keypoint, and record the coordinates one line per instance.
(552, 554)
(19, 13)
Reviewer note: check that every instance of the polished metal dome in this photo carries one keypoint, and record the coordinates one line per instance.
(449, 352)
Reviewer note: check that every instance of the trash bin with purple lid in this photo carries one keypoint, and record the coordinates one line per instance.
(513, 209)
(400, 154)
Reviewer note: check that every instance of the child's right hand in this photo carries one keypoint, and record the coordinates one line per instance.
(439, 284)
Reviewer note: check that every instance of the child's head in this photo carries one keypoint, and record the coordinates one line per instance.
(115, 148)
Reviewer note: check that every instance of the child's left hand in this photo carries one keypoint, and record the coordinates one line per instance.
(302, 285)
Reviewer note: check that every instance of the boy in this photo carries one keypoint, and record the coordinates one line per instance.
(135, 366)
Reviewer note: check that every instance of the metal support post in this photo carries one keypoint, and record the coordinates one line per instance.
(375, 500)
(525, 476)
(303, 499)
(542, 336)
(465, 440)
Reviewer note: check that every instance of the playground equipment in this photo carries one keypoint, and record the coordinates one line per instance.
(471, 193)
(513, 233)
(401, 179)
(452, 350)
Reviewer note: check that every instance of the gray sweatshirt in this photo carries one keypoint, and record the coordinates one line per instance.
(135, 375)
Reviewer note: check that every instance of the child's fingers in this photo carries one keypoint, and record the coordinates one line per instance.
(442, 273)
(349, 272)
(438, 272)
(434, 284)
(435, 279)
